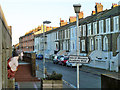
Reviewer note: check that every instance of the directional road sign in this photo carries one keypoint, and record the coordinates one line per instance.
(79, 59)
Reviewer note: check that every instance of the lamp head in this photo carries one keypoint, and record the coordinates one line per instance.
(77, 8)
(46, 22)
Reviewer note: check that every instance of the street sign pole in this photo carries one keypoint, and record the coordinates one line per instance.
(78, 59)
(77, 76)
(77, 53)
(77, 11)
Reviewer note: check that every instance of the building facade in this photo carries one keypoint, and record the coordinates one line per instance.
(26, 42)
(5, 51)
(100, 38)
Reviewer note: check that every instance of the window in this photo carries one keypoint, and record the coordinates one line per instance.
(108, 25)
(38, 47)
(98, 43)
(89, 29)
(83, 45)
(118, 43)
(91, 44)
(67, 45)
(100, 26)
(68, 33)
(95, 28)
(80, 30)
(56, 35)
(105, 43)
(84, 30)
(73, 45)
(116, 23)
(72, 33)
(62, 34)
(75, 31)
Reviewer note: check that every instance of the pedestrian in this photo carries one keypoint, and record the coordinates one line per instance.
(14, 53)
(21, 55)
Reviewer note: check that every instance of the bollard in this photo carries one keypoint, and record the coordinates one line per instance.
(37, 68)
(33, 63)
(45, 71)
(11, 84)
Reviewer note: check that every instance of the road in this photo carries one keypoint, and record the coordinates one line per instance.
(87, 80)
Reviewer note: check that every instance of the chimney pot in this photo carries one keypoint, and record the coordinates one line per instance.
(98, 7)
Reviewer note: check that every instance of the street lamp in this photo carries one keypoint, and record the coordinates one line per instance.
(44, 22)
(77, 11)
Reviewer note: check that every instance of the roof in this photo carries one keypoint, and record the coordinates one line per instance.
(26, 35)
(98, 16)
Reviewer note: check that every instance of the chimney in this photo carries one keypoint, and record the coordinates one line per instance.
(98, 7)
(114, 5)
(81, 15)
(62, 22)
(93, 12)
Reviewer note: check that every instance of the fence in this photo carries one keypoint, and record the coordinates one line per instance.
(5, 49)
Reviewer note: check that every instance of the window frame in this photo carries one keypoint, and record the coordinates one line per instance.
(80, 31)
(83, 45)
(116, 23)
(105, 43)
(108, 26)
(91, 44)
(118, 43)
(94, 28)
(89, 29)
(101, 26)
(84, 30)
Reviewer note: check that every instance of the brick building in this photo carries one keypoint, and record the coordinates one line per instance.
(27, 42)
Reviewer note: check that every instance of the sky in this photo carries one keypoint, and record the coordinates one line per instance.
(25, 15)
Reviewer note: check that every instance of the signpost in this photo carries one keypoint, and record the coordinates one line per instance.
(78, 59)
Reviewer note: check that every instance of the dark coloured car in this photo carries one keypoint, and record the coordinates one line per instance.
(40, 56)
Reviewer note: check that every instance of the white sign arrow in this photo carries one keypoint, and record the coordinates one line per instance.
(79, 59)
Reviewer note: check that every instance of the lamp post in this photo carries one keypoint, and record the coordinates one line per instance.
(44, 22)
(77, 11)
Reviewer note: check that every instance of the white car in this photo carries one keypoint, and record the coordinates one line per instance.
(72, 64)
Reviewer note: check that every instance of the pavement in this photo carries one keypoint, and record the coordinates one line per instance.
(34, 84)
(97, 71)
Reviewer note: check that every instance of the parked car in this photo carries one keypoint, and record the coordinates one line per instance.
(72, 64)
(40, 56)
(63, 60)
(57, 59)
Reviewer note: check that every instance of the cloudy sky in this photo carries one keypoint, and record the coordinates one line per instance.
(25, 15)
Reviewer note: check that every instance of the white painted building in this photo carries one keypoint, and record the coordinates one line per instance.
(51, 45)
